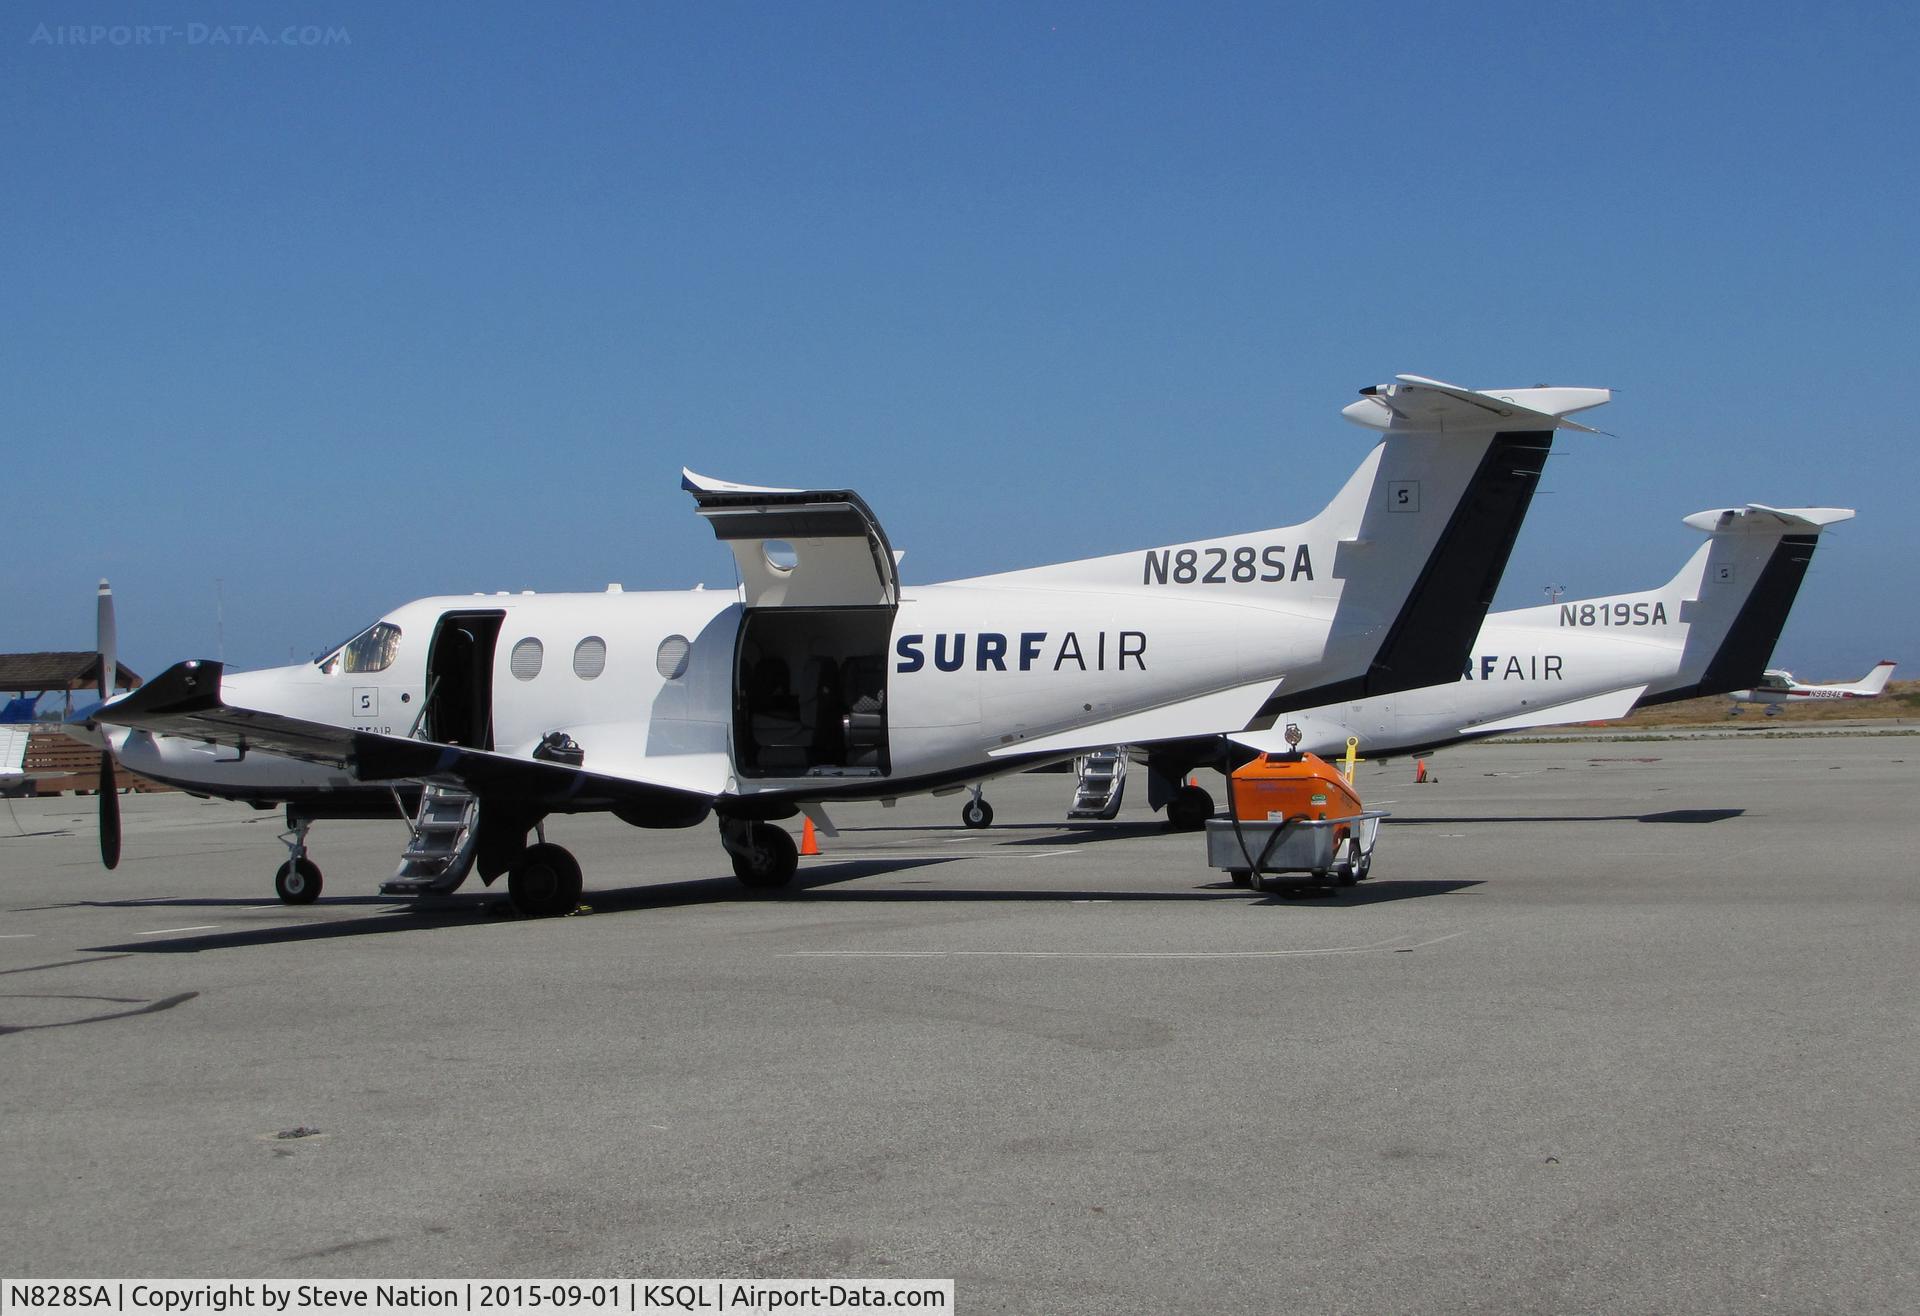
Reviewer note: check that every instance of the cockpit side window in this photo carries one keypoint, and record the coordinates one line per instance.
(372, 650)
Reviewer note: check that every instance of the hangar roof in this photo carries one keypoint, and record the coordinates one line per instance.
(60, 670)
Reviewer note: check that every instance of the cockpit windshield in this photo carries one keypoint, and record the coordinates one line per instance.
(1775, 679)
(372, 650)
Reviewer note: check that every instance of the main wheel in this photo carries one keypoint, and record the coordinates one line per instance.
(1189, 809)
(544, 881)
(297, 882)
(1240, 876)
(774, 861)
(1350, 870)
(976, 814)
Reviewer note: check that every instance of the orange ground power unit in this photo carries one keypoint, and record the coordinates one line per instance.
(1277, 787)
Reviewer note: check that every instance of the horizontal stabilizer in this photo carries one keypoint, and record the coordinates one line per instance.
(1769, 520)
(1419, 405)
(1209, 715)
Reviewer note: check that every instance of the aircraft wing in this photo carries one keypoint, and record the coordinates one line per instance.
(185, 701)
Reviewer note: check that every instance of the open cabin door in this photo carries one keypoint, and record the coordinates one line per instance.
(459, 709)
(821, 587)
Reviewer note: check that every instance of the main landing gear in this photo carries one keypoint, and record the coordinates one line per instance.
(298, 880)
(544, 881)
(764, 856)
(976, 812)
(1189, 809)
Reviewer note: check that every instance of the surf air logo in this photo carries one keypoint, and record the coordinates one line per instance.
(990, 651)
(1515, 667)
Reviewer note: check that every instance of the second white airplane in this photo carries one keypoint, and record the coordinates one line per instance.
(1708, 631)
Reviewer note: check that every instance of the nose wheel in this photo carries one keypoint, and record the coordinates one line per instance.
(297, 882)
(976, 812)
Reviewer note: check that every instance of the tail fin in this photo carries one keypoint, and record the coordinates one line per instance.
(1399, 569)
(1735, 593)
(1873, 682)
(1415, 594)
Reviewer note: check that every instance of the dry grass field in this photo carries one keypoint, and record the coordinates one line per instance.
(1900, 705)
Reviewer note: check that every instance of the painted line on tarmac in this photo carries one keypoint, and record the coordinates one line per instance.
(17, 936)
(161, 932)
(1369, 948)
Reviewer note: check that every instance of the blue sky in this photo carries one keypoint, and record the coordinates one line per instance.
(445, 305)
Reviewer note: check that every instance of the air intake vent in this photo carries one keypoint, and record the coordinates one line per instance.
(589, 657)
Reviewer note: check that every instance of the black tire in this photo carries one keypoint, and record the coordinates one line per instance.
(1241, 876)
(1189, 809)
(775, 862)
(297, 882)
(544, 881)
(1349, 870)
(976, 814)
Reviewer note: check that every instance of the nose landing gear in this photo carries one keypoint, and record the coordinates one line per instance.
(298, 880)
(976, 812)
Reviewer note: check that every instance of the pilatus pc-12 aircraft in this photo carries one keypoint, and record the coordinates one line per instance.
(1708, 631)
(823, 678)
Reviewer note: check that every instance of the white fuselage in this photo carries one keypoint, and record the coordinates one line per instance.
(969, 669)
(1521, 663)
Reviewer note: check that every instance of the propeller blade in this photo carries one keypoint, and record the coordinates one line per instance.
(109, 813)
(107, 641)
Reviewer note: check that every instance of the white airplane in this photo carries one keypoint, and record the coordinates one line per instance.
(823, 679)
(16, 729)
(1705, 632)
(1777, 687)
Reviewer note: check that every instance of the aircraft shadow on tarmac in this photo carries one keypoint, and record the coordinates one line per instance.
(1042, 833)
(1670, 816)
(813, 886)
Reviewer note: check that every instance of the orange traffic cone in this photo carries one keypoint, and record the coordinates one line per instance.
(1419, 771)
(808, 845)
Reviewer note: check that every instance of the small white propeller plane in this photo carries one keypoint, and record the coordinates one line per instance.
(1777, 687)
(824, 679)
(1705, 632)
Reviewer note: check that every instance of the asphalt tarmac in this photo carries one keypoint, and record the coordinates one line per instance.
(1615, 1027)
